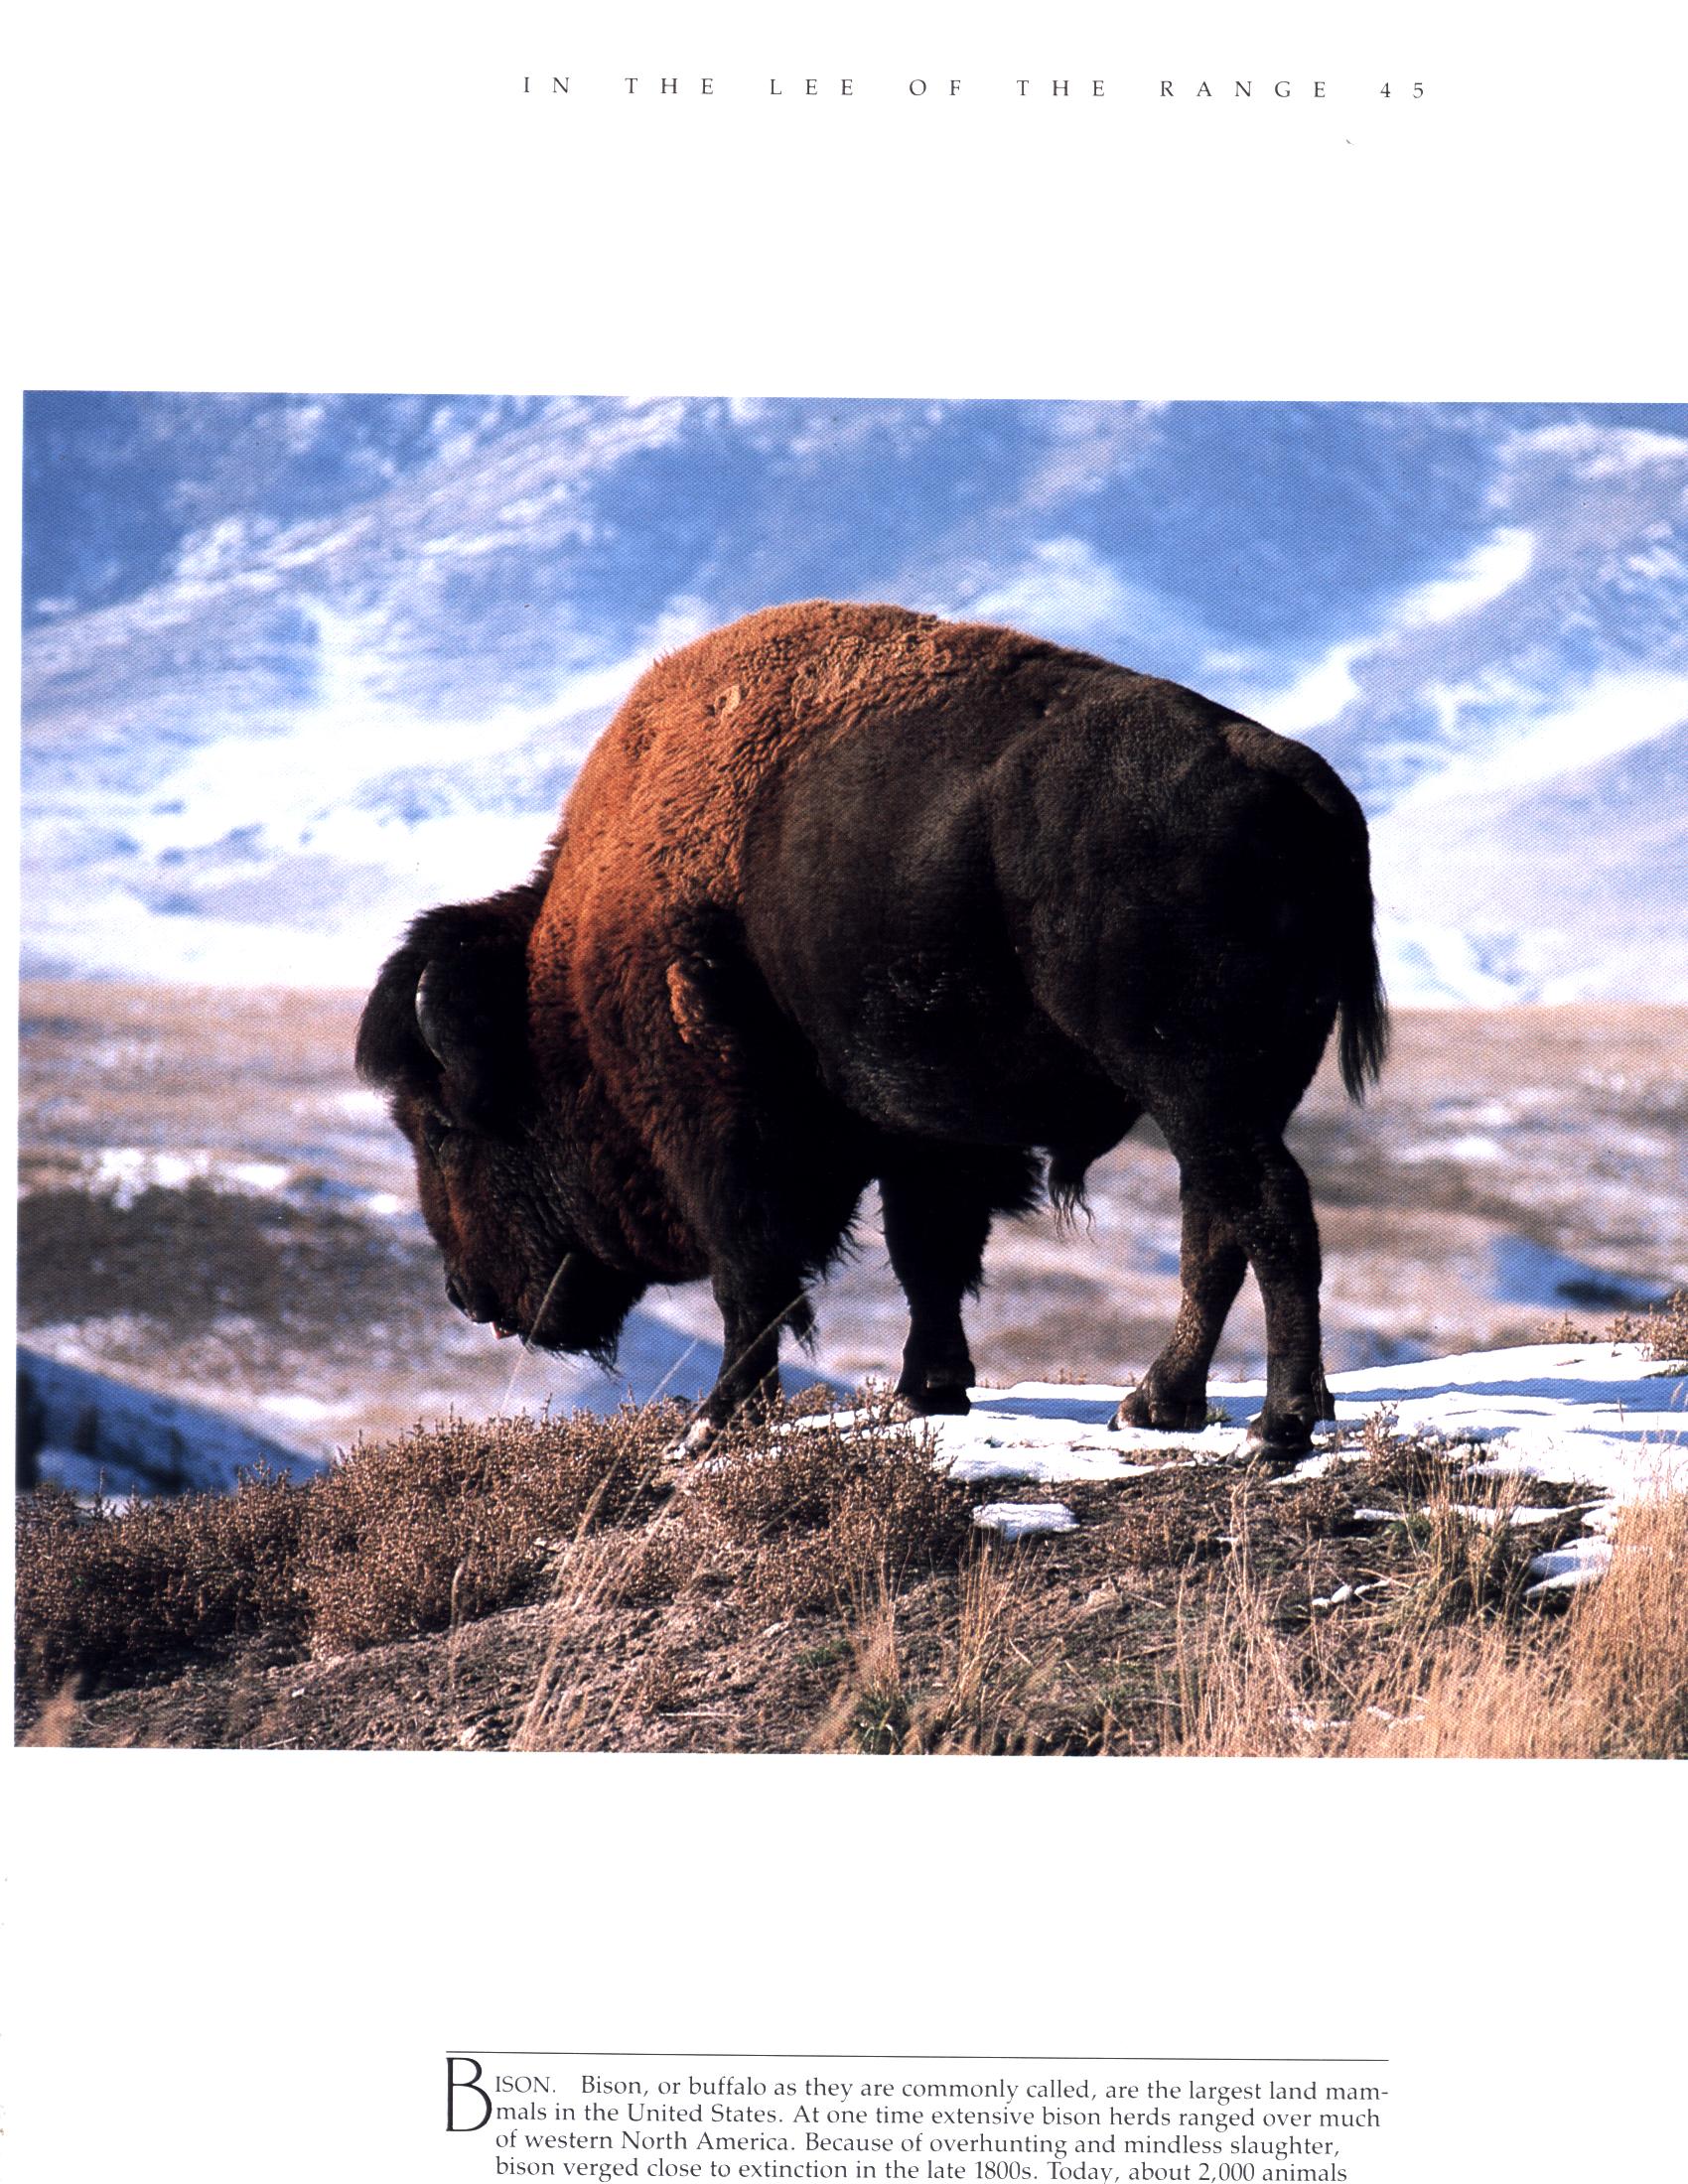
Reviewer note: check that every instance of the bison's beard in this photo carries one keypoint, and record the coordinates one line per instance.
(582, 1309)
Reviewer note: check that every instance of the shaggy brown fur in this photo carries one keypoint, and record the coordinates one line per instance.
(844, 894)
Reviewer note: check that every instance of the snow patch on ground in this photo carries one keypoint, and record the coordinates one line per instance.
(1606, 1414)
(125, 1170)
(1016, 1520)
(1577, 1562)
(123, 1173)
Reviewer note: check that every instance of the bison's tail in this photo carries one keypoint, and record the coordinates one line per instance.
(1364, 1038)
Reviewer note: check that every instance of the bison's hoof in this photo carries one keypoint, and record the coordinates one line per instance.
(697, 1437)
(1147, 1408)
(931, 1402)
(1279, 1444)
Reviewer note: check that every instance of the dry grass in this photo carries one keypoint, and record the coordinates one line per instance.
(451, 1526)
(985, 1690)
(1437, 1653)
(800, 1518)
(1465, 1669)
(1607, 1681)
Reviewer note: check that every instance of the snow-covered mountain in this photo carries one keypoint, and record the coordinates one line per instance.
(296, 667)
(100, 1437)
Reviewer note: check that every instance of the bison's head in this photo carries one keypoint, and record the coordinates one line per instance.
(446, 1034)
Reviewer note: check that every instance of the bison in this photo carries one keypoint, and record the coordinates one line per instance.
(849, 895)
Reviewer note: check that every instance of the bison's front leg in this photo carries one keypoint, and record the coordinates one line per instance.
(938, 1204)
(935, 1236)
(755, 1304)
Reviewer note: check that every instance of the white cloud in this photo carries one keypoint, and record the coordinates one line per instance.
(1591, 451)
(1427, 965)
(1317, 695)
(1323, 690)
(1064, 590)
(1491, 569)
(303, 425)
(1492, 695)
(213, 552)
(1614, 713)
(1063, 585)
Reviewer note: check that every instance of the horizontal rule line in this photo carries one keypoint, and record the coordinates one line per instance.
(828, 2055)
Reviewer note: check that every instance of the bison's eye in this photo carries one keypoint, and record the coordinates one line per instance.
(435, 1131)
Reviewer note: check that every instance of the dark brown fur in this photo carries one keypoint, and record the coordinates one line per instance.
(846, 893)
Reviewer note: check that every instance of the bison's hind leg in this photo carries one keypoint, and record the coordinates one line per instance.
(938, 1204)
(1172, 1397)
(1245, 1204)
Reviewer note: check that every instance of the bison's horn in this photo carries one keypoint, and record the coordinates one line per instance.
(430, 1021)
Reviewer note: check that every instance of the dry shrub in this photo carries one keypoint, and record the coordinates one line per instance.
(828, 1510)
(455, 1523)
(836, 1514)
(782, 1516)
(1408, 1467)
(111, 1587)
(393, 1541)
(1661, 1331)
(792, 1516)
